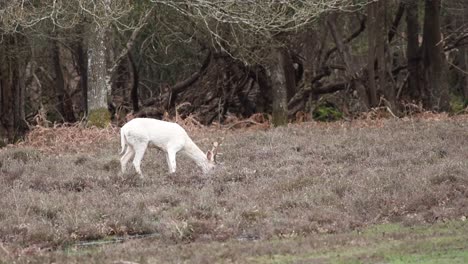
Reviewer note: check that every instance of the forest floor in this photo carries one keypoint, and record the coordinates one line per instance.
(367, 191)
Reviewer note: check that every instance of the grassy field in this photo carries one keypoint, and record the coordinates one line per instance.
(391, 191)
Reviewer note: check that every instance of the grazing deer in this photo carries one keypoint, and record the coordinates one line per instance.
(138, 133)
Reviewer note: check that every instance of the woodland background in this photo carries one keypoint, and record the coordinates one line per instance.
(361, 190)
(65, 61)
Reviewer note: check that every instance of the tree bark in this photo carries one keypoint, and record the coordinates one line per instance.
(371, 38)
(464, 54)
(82, 67)
(98, 79)
(279, 84)
(97, 70)
(64, 103)
(259, 74)
(12, 91)
(387, 89)
(134, 91)
(396, 21)
(435, 68)
(289, 74)
(464, 67)
(351, 67)
(465, 83)
(412, 49)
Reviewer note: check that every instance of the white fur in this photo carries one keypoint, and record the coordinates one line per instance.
(137, 134)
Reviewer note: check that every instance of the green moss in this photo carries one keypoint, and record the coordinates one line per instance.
(387, 243)
(279, 118)
(326, 112)
(99, 117)
(54, 116)
(457, 104)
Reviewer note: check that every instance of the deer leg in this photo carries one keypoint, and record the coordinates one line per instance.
(171, 160)
(139, 153)
(168, 161)
(126, 158)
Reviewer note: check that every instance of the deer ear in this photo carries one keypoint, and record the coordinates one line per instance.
(209, 155)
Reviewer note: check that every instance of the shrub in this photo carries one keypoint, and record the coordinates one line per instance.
(327, 112)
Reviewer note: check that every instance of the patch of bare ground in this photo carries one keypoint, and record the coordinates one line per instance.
(298, 181)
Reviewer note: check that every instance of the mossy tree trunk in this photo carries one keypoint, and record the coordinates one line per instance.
(97, 112)
(277, 71)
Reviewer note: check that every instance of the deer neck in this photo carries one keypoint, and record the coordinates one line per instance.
(197, 155)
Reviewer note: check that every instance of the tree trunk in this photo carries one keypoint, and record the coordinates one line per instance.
(435, 68)
(387, 89)
(6, 102)
(260, 75)
(396, 21)
(12, 91)
(463, 62)
(82, 67)
(289, 74)
(371, 39)
(279, 84)
(134, 91)
(351, 67)
(412, 49)
(97, 78)
(464, 54)
(64, 103)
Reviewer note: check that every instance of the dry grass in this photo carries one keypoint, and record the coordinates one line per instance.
(298, 181)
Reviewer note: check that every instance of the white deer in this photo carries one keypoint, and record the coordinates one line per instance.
(139, 133)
